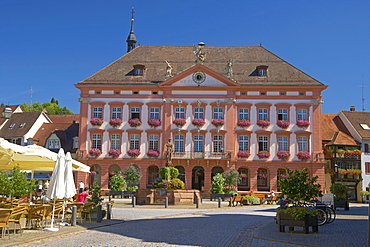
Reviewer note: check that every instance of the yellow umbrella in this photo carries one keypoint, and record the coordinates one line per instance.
(32, 157)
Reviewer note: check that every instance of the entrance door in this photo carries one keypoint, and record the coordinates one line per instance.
(197, 178)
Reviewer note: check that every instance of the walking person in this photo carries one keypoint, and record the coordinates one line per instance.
(81, 187)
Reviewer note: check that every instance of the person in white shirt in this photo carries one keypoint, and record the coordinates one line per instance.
(81, 187)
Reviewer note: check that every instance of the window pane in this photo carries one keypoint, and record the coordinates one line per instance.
(263, 143)
(179, 144)
(302, 143)
(97, 112)
(263, 114)
(217, 144)
(134, 142)
(243, 143)
(302, 114)
(115, 142)
(96, 141)
(199, 113)
(283, 114)
(135, 112)
(282, 143)
(217, 113)
(116, 112)
(198, 143)
(243, 114)
(153, 142)
(154, 113)
(180, 112)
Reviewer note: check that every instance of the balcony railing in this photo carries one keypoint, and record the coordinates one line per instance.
(202, 155)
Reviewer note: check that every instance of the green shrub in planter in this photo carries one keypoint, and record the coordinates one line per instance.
(218, 184)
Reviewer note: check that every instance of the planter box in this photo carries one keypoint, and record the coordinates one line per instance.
(288, 220)
(222, 196)
(175, 197)
(341, 204)
(122, 193)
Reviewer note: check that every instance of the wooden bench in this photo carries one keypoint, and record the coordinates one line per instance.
(237, 199)
(261, 197)
(271, 200)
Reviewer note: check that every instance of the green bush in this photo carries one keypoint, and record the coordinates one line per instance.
(117, 182)
(340, 191)
(299, 213)
(218, 184)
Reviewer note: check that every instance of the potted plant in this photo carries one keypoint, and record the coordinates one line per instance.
(96, 121)
(243, 123)
(340, 196)
(95, 152)
(342, 172)
(152, 153)
(134, 122)
(283, 155)
(96, 199)
(365, 194)
(231, 181)
(298, 188)
(168, 179)
(244, 154)
(198, 122)
(283, 124)
(356, 152)
(263, 154)
(303, 155)
(218, 122)
(133, 153)
(154, 122)
(303, 124)
(114, 153)
(340, 152)
(115, 122)
(179, 122)
(250, 200)
(263, 123)
(132, 176)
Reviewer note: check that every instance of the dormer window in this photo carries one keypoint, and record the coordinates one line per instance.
(262, 70)
(12, 126)
(139, 70)
(22, 125)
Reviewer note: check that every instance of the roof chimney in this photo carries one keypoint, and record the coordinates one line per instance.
(352, 108)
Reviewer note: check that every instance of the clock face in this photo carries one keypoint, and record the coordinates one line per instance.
(199, 77)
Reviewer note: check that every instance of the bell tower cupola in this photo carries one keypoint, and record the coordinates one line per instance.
(131, 39)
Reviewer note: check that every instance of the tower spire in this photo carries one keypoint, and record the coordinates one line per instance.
(131, 39)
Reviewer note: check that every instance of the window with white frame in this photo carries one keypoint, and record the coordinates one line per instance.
(263, 143)
(153, 142)
(179, 112)
(22, 125)
(282, 143)
(96, 141)
(135, 112)
(198, 113)
(53, 144)
(263, 114)
(116, 112)
(12, 126)
(134, 142)
(198, 143)
(97, 112)
(154, 113)
(283, 114)
(179, 144)
(218, 144)
(243, 114)
(218, 113)
(302, 143)
(243, 143)
(302, 114)
(115, 141)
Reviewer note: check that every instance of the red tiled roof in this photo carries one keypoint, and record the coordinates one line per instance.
(356, 118)
(68, 118)
(246, 59)
(334, 131)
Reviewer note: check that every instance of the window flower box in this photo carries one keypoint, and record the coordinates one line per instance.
(354, 172)
(243, 123)
(152, 153)
(95, 152)
(115, 122)
(263, 154)
(114, 152)
(243, 154)
(303, 124)
(263, 123)
(283, 176)
(283, 124)
(154, 122)
(218, 122)
(133, 153)
(179, 122)
(283, 155)
(134, 122)
(198, 122)
(303, 155)
(96, 121)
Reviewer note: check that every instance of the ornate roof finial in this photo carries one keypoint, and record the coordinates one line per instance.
(168, 70)
(229, 69)
(199, 53)
(131, 39)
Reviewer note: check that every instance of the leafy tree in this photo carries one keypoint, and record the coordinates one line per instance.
(51, 107)
(16, 184)
(298, 187)
(218, 184)
(132, 176)
(339, 190)
(117, 182)
(231, 178)
(95, 193)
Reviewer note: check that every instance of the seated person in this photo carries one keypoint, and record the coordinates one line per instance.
(82, 197)
(24, 199)
(272, 194)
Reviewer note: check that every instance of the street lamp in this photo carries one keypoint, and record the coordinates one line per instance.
(6, 113)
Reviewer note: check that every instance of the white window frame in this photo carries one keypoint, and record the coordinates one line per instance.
(115, 142)
(116, 113)
(243, 143)
(97, 112)
(263, 114)
(134, 142)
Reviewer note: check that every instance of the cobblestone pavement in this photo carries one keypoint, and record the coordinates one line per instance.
(205, 226)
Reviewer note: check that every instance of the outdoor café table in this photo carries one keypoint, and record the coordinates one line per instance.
(36, 213)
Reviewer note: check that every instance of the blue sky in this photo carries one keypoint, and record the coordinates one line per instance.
(51, 45)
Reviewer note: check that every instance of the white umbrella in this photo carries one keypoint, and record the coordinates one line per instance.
(69, 184)
(56, 189)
